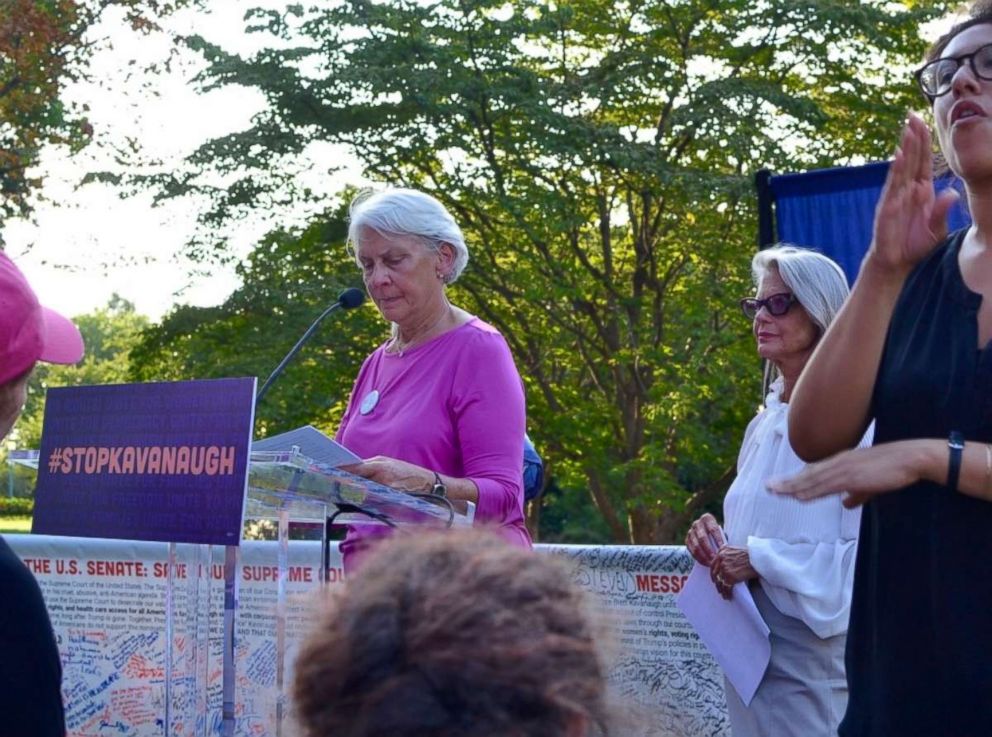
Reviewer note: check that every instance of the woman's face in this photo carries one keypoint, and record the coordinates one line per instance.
(963, 116)
(785, 340)
(401, 275)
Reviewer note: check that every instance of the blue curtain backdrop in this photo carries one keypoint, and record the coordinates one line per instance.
(832, 210)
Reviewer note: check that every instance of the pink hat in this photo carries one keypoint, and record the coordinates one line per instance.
(28, 331)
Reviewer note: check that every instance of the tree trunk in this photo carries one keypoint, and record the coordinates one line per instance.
(618, 530)
(532, 517)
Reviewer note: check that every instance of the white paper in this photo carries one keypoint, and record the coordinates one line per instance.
(312, 443)
(733, 631)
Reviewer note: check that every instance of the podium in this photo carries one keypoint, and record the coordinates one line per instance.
(288, 487)
(289, 480)
(197, 600)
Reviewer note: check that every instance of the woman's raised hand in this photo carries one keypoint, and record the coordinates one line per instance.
(909, 219)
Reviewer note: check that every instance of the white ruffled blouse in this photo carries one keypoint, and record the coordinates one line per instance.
(803, 551)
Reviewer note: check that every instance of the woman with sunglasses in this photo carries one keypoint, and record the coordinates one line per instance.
(912, 350)
(796, 559)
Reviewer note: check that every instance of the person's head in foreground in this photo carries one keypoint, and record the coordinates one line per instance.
(453, 635)
(28, 333)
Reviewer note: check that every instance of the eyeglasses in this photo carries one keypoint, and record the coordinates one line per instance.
(935, 78)
(777, 305)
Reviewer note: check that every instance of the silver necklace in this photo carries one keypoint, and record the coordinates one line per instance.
(398, 346)
(371, 399)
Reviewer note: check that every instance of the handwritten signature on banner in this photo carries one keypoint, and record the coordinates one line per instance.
(114, 670)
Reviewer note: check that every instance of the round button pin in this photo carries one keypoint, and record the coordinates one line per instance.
(369, 402)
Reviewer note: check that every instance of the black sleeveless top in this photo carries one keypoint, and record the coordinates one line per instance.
(919, 647)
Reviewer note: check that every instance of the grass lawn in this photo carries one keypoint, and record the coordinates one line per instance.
(15, 524)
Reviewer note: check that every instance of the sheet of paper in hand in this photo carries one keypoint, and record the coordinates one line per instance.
(311, 443)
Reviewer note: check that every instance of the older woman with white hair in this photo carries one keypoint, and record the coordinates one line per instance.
(796, 559)
(438, 407)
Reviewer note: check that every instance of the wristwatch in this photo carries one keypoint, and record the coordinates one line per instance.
(438, 489)
(955, 445)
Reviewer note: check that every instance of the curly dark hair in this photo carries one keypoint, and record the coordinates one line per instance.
(453, 635)
(980, 12)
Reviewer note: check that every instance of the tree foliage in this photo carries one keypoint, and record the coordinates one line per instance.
(44, 45)
(109, 335)
(599, 156)
(286, 282)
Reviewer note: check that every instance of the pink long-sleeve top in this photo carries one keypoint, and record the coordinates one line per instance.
(454, 405)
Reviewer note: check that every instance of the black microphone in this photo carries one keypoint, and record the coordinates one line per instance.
(346, 300)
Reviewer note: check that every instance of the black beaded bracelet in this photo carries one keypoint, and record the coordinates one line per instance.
(955, 444)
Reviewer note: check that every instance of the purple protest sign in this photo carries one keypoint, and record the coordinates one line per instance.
(165, 462)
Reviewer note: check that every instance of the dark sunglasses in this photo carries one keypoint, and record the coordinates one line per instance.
(776, 304)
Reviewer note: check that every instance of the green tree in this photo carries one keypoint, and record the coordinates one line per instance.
(599, 155)
(109, 335)
(286, 282)
(43, 45)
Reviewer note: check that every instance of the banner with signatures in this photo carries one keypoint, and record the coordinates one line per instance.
(659, 667)
(107, 601)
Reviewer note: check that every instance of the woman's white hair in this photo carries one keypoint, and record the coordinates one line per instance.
(399, 211)
(816, 281)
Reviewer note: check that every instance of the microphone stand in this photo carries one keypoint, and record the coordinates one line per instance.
(296, 349)
(348, 299)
